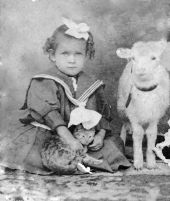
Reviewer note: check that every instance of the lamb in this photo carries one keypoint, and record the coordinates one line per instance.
(143, 96)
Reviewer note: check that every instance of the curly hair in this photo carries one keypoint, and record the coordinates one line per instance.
(51, 43)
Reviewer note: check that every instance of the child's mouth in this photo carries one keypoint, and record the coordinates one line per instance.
(72, 67)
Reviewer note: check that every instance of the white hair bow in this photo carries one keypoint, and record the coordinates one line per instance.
(76, 30)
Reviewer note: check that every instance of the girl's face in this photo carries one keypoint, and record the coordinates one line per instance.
(70, 55)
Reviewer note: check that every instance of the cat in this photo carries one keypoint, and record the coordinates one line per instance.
(60, 158)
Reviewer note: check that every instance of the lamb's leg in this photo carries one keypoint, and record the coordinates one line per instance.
(126, 128)
(138, 134)
(151, 133)
(123, 134)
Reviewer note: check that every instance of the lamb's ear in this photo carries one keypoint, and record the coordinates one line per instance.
(124, 53)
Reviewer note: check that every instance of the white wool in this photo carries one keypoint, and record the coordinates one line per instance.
(144, 106)
(150, 106)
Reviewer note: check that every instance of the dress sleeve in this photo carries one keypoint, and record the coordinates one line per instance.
(104, 109)
(42, 99)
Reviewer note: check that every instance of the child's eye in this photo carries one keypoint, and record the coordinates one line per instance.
(65, 53)
(78, 53)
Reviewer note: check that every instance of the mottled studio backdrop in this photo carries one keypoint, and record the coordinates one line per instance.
(25, 25)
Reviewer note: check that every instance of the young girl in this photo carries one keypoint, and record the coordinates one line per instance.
(56, 102)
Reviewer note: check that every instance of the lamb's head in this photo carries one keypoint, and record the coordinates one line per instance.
(145, 59)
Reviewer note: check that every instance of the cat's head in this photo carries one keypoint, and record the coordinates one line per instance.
(84, 136)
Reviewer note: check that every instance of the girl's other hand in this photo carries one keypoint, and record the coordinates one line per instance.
(98, 141)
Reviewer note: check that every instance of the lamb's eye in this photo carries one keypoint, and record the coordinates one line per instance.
(153, 58)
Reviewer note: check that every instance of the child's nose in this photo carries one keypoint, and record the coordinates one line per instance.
(141, 70)
(72, 58)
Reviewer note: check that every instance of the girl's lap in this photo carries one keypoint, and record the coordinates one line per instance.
(26, 143)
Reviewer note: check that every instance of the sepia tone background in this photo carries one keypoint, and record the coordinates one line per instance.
(25, 25)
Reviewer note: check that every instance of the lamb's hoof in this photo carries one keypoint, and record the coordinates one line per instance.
(151, 165)
(138, 165)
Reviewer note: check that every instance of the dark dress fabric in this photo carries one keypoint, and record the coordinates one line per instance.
(47, 103)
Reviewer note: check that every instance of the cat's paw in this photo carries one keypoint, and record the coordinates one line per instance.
(83, 169)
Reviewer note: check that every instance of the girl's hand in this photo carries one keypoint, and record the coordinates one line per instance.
(98, 141)
(68, 138)
(76, 145)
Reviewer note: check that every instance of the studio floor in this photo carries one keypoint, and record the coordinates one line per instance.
(130, 185)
